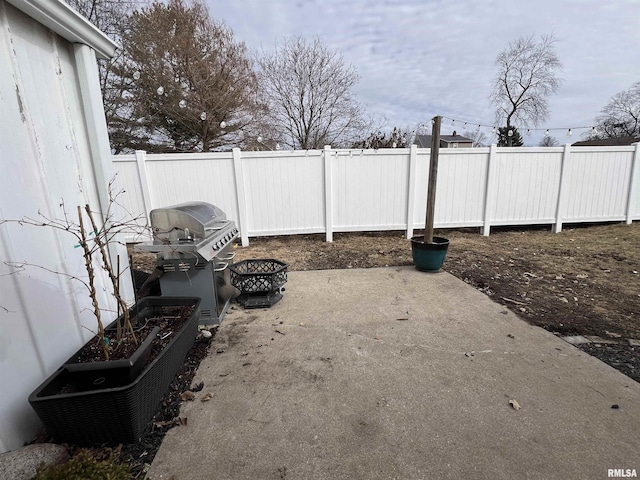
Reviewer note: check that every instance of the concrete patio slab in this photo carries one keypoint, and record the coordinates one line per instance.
(392, 373)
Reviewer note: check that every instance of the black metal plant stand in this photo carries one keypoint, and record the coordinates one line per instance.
(260, 281)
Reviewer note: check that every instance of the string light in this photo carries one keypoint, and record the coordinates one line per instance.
(547, 131)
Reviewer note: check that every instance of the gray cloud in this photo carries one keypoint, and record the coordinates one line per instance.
(418, 58)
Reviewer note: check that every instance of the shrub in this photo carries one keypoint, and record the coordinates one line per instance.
(84, 466)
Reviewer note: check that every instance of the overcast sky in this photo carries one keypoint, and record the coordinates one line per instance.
(421, 58)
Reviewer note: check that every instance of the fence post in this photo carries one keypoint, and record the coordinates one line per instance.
(411, 191)
(488, 190)
(562, 186)
(632, 183)
(141, 162)
(238, 176)
(328, 195)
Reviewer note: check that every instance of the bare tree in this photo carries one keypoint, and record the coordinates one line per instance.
(397, 139)
(548, 141)
(188, 85)
(621, 116)
(478, 136)
(527, 75)
(308, 90)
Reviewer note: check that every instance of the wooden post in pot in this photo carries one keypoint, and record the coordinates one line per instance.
(433, 177)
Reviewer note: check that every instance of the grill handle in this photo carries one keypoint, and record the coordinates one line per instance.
(220, 267)
(228, 257)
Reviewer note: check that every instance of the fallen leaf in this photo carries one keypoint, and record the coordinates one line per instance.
(165, 423)
(206, 397)
(514, 404)
(188, 396)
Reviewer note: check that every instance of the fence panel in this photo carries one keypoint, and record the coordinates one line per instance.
(527, 186)
(598, 184)
(179, 178)
(369, 189)
(460, 191)
(284, 192)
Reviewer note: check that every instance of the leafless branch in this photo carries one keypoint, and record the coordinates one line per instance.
(621, 116)
(527, 75)
(308, 90)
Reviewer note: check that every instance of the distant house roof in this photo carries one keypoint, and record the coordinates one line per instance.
(424, 141)
(608, 142)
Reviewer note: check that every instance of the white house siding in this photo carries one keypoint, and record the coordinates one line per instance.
(46, 159)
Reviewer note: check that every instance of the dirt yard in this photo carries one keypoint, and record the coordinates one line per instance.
(583, 281)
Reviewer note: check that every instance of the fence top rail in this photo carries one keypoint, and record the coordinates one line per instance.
(337, 152)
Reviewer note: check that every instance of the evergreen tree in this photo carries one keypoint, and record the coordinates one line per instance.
(506, 140)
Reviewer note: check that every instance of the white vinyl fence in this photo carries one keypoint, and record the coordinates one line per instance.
(326, 191)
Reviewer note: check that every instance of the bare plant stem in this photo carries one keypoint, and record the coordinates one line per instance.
(92, 288)
(118, 324)
(107, 266)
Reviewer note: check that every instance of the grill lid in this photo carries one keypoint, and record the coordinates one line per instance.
(191, 221)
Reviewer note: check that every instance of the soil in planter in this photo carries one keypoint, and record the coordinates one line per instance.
(175, 316)
(170, 319)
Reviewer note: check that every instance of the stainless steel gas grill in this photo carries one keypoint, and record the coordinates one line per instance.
(194, 245)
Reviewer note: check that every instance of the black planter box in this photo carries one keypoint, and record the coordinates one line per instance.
(112, 373)
(110, 416)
